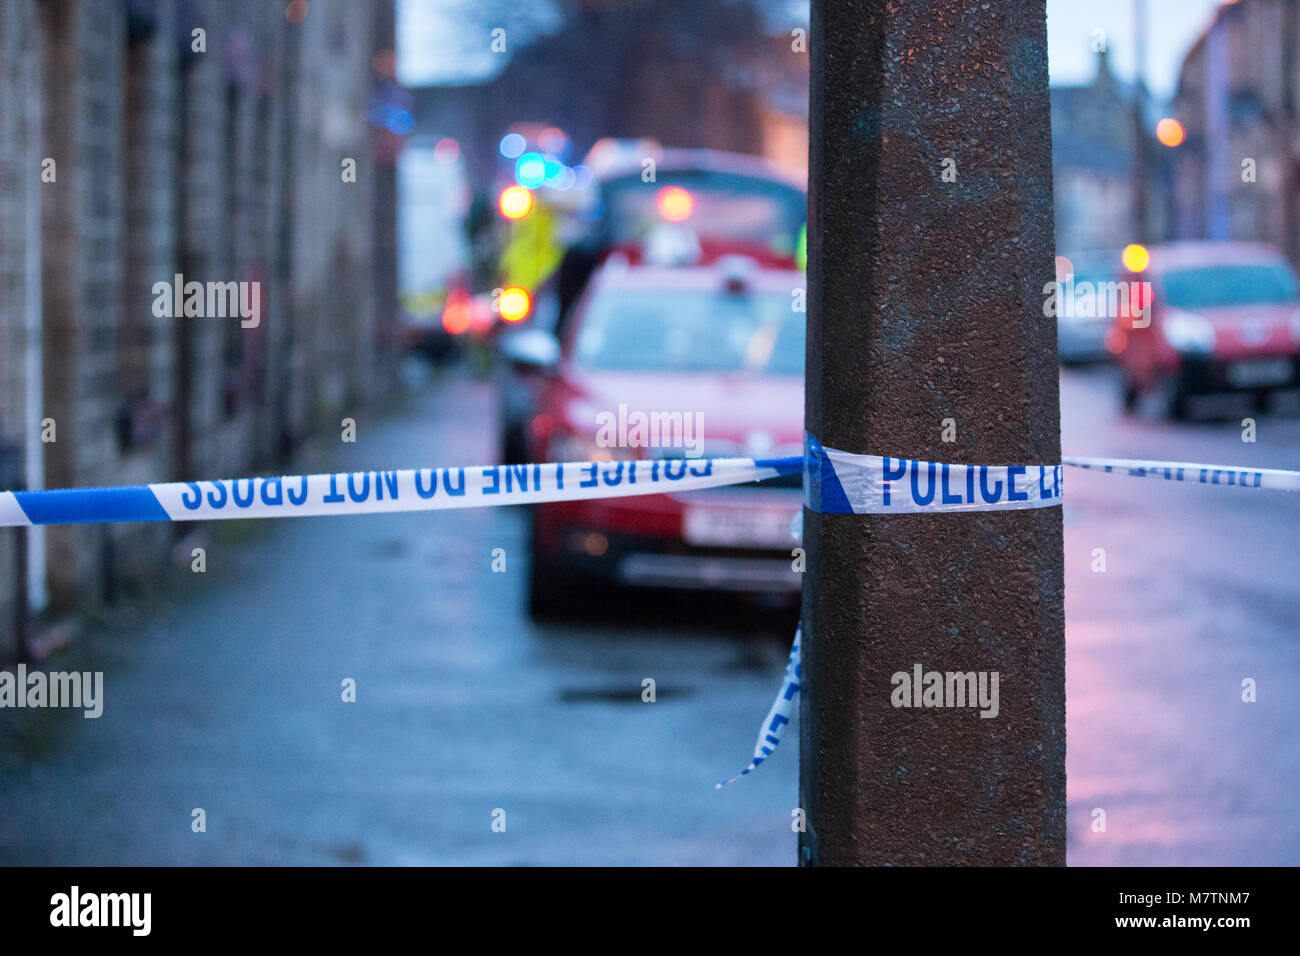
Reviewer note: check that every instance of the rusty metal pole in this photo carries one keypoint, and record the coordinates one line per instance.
(926, 302)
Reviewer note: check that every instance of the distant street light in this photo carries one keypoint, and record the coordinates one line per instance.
(1170, 132)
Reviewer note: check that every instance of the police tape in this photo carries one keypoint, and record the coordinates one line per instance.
(835, 482)
(1275, 479)
(778, 718)
(380, 492)
(840, 482)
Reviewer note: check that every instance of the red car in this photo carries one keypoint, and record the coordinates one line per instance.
(1206, 317)
(722, 347)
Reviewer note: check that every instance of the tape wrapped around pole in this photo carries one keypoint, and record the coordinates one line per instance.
(383, 491)
(835, 482)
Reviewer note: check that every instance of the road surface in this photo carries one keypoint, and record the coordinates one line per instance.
(223, 690)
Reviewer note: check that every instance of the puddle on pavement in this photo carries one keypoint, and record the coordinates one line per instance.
(622, 694)
(392, 548)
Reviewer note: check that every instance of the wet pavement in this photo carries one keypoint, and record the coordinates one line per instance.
(1201, 591)
(223, 689)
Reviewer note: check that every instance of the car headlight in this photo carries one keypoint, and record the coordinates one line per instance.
(1188, 332)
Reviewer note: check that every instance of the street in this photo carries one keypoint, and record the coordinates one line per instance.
(1198, 595)
(223, 689)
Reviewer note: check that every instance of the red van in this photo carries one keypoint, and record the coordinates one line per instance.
(1206, 317)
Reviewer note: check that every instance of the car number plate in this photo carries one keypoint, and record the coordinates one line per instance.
(739, 527)
(1259, 372)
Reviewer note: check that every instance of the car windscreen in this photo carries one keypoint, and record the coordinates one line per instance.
(721, 206)
(691, 330)
(1209, 287)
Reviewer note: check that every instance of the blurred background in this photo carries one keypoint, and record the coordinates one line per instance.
(477, 227)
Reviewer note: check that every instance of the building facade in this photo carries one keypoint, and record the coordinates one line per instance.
(1094, 167)
(148, 144)
(1237, 175)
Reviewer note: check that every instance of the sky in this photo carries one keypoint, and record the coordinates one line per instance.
(1173, 26)
(446, 41)
(449, 41)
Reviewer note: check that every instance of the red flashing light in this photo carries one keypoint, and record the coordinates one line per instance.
(456, 313)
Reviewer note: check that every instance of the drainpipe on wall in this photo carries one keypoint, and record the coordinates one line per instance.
(11, 479)
(1217, 164)
(33, 362)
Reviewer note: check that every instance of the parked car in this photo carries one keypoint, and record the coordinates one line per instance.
(1083, 318)
(421, 328)
(723, 346)
(520, 370)
(1206, 317)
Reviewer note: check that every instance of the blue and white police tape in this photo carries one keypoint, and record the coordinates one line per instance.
(778, 718)
(835, 482)
(840, 482)
(1275, 479)
(373, 492)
